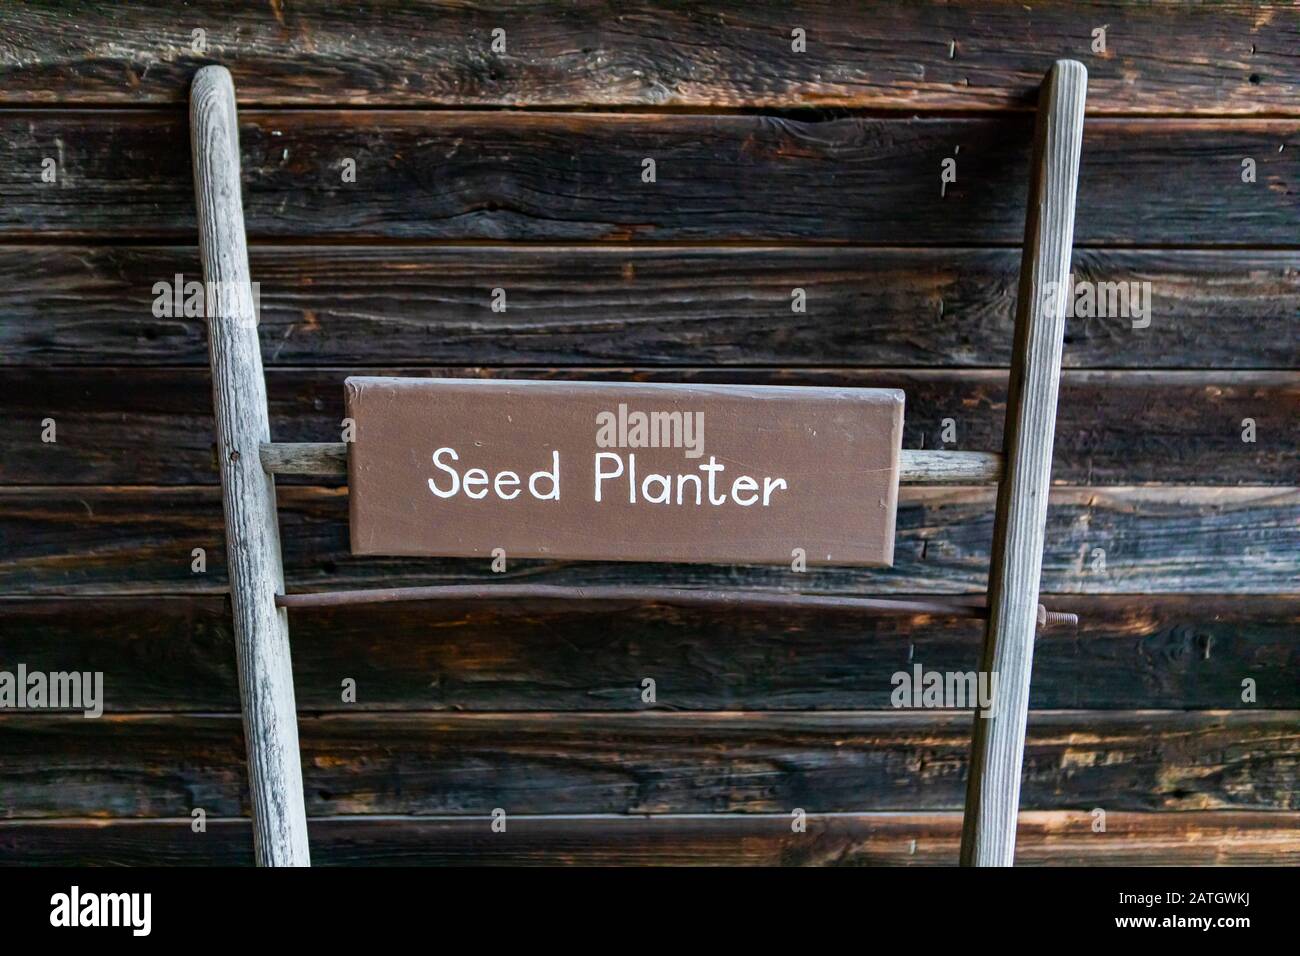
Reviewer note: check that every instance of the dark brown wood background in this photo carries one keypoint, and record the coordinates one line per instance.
(776, 170)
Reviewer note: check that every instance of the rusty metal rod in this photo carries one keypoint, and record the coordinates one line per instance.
(939, 605)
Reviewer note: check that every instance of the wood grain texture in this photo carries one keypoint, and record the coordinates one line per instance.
(939, 467)
(1113, 428)
(248, 492)
(396, 270)
(646, 305)
(577, 177)
(1044, 838)
(97, 540)
(56, 766)
(319, 459)
(968, 55)
(1020, 524)
(1129, 651)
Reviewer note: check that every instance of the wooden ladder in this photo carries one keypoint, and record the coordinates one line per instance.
(249, 461)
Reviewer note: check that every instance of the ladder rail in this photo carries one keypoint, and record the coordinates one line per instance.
(1016, 561)
(248, 492)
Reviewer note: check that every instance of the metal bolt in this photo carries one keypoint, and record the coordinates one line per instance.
(1048, 618)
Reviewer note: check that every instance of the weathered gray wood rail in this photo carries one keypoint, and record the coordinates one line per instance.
(248, 492)
(993, 786)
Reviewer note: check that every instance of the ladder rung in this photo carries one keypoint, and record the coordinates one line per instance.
(323, 458)
(915, 467)
(918, 467)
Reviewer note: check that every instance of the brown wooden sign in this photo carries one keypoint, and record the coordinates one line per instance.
(623, 472)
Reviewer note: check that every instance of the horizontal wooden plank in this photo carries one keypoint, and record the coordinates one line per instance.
(646, 305)
(971, 54)
(95, 540)
(55, 766)
(1112, 427)
(178, 653)
(569, 177)
(1044, 838)
(320, 459)
(939, 467)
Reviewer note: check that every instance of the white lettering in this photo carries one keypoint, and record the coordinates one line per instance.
(455, 478)
(478, 484)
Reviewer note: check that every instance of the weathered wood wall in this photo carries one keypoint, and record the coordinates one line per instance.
(775, 170)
